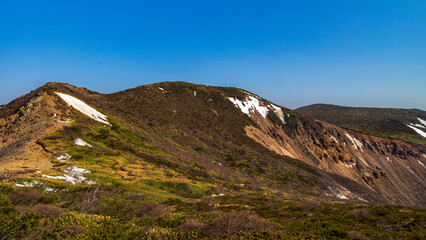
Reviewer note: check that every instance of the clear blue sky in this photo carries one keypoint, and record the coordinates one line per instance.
(294, 53)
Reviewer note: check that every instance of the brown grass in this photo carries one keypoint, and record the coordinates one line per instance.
(25, 196)
(150, 210)
(191, 225)
(362, 212)
(235, 222)
(43, 209)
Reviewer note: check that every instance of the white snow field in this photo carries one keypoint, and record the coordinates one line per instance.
(80, 142)
(417, 130)
(84, 108)
(357, 144)
(422, 121)
(73, 175)
(63, 157)
(251, 104)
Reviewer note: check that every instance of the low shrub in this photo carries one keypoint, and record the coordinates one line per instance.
(25, 196)
(191, 225)
(235, 222)
(47, 210)
(361, 212)
(150, 210)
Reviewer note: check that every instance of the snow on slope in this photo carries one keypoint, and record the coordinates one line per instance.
(64, 157)
(355, 142)
(251, 104)
(417, 130)
(84, 108)
(279, 112)
(80, 142)
(73, 175)
(417, 125)
(422, 121)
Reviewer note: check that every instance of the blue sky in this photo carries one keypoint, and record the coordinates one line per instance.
(294, 53)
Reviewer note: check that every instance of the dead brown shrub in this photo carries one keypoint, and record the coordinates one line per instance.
(234, 222)
(43, 209)
(76, 229)
(308, 206)
(25, 196)
(191, 225)
(209, 200)
(361, 212)
(150, 210)
(47, 210)
(358, 235)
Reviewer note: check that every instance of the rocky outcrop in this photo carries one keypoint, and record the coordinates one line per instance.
(210, 132)
(20, 148)
(393, 168)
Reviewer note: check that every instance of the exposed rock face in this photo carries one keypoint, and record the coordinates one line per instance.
(210, 132)
(393, 168)
(20, 149)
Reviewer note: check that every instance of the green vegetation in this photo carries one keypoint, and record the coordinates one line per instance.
(381, 122)
(118, 213)
(164, 170)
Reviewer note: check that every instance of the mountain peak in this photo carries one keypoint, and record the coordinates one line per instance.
(191, 148)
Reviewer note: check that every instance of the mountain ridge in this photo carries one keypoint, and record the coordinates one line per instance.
(396, 123)
(176, 140)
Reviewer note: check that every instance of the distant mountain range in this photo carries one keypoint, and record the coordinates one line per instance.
(404, 124)
(176, 160)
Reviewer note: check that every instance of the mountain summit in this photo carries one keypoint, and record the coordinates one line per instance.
(193, 146)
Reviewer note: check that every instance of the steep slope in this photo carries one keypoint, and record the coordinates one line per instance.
(197, 152)
(191, 132)
(404, 124)
(391, 167)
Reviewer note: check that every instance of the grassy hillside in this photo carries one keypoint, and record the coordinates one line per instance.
(382, 122)
(176, 164)
(111, 212)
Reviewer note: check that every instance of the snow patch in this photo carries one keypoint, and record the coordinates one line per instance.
(334, 139)
(349, 193)
(361, 199)
(279, 112)
(388, 159)
(219, 195)
(341, 196)
(73, 175)
(355, 142)
(423, 134)
(252, 104)
(411, 171)
(64, 157)
(195, 93)
(217, 163)
(421, 163)
(417, 125)
(84, 108)
(66, 121)
(80, 142)
(48, 189)
(422, 121)
(336, 194)
(162, 89)
(348, 165)
(27, 184)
